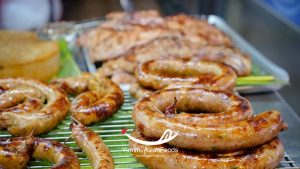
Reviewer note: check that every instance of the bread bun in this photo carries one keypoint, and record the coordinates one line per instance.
(22, 54)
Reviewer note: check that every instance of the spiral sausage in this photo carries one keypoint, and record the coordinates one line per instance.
(93, 146)
(158, 74)
(29, 106)
(97, 98)
(226, 124)
(266, 156)
(62, 156)
(15, 152)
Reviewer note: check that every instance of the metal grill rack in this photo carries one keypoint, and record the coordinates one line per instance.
(110, 131)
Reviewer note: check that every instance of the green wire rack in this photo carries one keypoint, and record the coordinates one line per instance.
(110, 131)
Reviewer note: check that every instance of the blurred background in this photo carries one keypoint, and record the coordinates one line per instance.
(271, 26)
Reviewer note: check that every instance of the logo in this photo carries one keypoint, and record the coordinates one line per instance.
(166, 137)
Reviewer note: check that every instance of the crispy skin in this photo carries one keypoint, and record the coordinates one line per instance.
(59, 154)
(266, 156)
(135, 16)
(196, 29)
(15, 152)
(93, 146)
(226, 124)
(158, 74)
(96, 98)
(175, 47)
(121, 20)
(29, 106)
(107, 43)
(121, 32)
(162, 47)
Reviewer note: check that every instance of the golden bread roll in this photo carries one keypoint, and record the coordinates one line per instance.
(22, 54)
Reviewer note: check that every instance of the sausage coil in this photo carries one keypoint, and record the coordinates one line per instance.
(266, 156)
(96, 98)
(206, 120)
(158, 74)
(29, 106)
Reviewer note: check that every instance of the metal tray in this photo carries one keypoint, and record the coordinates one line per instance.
(266, 66)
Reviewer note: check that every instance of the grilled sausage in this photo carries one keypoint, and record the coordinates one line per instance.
(93, 146)
(215, 120)
(96, 98)
(266, 156)
(29, 106)
(158, 74)
(59, 154)
(15, 152)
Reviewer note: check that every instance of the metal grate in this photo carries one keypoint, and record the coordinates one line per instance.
(110, 131)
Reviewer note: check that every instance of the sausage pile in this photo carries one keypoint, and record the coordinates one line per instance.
(122, 42)
(215, 129)
(30, 107)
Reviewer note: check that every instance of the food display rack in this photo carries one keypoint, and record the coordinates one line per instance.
(110, 129)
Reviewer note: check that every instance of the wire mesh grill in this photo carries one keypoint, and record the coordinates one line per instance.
(110, 131)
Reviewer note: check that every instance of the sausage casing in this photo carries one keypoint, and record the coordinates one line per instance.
(59, 154)
(30, 107)
(226, 124)
(96, 98)
(266, 156)
(93, 146)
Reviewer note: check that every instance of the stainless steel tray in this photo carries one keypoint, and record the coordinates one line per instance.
(267, 66)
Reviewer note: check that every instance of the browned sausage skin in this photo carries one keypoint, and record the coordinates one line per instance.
(216, 120)
(266, 156)
(158, 74)
(93, 146)
(96, 98)
(15, 152)
(29, 106)
(59, 154)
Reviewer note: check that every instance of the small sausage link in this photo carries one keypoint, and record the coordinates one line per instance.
(93, 146)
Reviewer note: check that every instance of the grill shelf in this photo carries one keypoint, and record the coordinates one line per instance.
(110, 131)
